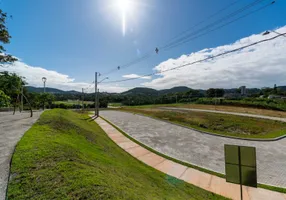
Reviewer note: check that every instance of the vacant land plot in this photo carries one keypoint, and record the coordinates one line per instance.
(248, 110)
(231, 125)
(67, 156)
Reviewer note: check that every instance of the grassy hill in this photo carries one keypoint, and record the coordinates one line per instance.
(67, 156)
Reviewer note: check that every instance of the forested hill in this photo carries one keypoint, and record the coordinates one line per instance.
(49, 90)
(153, 92)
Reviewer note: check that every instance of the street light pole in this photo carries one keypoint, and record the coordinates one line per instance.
(44, 79)
(97, 102)
(22, 104)
(82, 100)
(95, 95)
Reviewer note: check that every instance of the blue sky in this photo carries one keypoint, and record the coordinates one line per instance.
(75, 38)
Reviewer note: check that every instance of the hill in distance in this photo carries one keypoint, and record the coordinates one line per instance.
(144, 91)
(153, 92)
(49, 90)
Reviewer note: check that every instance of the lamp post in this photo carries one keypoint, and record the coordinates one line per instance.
(44, 79)
(97, 98)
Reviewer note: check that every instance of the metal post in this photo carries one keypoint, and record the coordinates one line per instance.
(97, 103)
(240, 175)
(22, 103)
(82, 99)
(44, 92)
(95, 93)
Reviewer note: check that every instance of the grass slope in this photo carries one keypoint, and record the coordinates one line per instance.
(227, 108)
(67, 156)
(238, 126)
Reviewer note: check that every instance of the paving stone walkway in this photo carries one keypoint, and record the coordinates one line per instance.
(12, 128)
(200, 149)
(203, 180)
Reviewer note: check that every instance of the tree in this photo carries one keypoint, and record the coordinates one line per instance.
(11, 84)
(193, 92)
(5, 39)
(46, 98)
(215, 92)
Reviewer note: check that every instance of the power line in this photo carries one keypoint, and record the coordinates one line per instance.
(229, 16)
(151, 53)
(204, 20)
(219, 27)
(198, 61)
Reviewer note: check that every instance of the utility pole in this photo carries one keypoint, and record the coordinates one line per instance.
(97, 103)
(95, 94)
(22, 104)
(44, 79)
(82, 99)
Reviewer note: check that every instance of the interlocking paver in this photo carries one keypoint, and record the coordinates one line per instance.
(200, 149)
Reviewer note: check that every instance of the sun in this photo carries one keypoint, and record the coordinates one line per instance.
(125, 7)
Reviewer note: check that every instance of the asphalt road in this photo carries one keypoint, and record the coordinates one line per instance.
(12, 128)
(200, 149)
(224, 112)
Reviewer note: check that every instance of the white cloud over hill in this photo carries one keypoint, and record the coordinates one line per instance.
(257, 66)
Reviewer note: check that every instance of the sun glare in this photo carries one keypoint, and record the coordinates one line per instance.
(124, 6)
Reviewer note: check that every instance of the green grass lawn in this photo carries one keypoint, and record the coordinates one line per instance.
(114, 104)
(67, 156)
(238, 126)
(73, 102)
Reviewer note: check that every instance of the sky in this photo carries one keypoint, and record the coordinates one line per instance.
(67, 41)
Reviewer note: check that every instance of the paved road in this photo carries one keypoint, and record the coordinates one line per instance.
(12, 128)
(224, 112)
(201, 149)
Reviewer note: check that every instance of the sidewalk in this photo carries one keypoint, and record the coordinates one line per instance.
(195, 177)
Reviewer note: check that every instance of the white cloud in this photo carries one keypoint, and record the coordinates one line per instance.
(136, 76)
(257, 66)
(55, 79)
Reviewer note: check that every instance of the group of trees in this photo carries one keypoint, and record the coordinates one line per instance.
(4, 39)
(13, 91)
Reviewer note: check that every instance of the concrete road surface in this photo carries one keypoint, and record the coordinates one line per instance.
(201, 149)
(12, 128)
